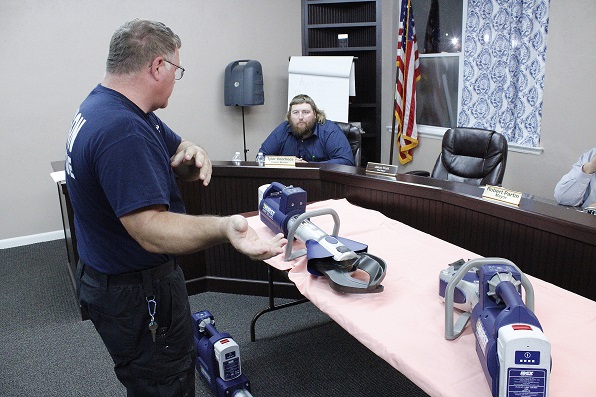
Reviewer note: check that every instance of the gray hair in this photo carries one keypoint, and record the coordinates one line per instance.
(135, 44)
(303, 98)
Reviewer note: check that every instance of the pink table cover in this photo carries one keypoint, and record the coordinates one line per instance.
(405, 324)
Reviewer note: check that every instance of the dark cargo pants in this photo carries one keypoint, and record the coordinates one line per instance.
(119, 312)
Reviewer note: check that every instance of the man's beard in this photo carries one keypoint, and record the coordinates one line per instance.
(303, 131)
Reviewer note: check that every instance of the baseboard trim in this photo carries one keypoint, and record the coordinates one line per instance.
(32, 239)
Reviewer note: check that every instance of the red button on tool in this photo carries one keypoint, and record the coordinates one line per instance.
(521, 327)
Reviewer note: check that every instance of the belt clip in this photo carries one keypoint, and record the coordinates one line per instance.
(151, 306)
(147, 283)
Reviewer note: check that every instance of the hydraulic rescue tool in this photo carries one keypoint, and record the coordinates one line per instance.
(283, 210)
(218, 358)
(514, 353)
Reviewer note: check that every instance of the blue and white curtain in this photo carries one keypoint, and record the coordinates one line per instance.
(504, 60)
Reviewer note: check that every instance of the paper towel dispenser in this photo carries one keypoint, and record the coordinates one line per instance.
(244, 84)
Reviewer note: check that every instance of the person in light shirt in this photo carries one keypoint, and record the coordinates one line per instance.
(578, 186)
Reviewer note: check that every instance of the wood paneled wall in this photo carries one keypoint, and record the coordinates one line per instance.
(548, 241)
(545, 240)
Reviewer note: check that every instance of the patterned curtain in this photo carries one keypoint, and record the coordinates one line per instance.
(504, 58)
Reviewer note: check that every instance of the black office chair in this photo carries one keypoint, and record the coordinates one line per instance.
(471, 155)
(354, 135)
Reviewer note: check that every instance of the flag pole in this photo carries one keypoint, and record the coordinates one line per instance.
(393, 125)
(393, 103)
(394, 113)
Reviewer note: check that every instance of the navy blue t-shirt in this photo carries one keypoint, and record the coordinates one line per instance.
(117, 161)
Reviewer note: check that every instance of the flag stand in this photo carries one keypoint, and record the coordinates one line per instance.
(392, 135)
(394, 118)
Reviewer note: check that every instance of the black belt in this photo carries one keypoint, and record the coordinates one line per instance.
(133, 277)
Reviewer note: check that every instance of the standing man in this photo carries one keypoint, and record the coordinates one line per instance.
(122, 163)
(578, 186)
(308, 135)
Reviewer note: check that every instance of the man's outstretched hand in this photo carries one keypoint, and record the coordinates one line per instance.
(245, 240)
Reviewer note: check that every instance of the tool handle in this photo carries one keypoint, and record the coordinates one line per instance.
(289, 255)
(454, 331)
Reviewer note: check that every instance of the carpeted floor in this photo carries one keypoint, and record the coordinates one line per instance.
(46, 350)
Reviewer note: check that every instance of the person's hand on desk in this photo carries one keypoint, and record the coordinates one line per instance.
(245, 240)
(300, 160)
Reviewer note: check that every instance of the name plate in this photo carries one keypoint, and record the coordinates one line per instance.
(381, 169)
(280, 161)
(503, 195)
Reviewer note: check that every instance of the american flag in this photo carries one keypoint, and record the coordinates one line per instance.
(408, 73)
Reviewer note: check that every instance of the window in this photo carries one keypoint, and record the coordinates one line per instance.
(439, 29)
(482, 65)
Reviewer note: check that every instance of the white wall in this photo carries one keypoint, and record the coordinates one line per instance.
(54, 53)
(568, 108)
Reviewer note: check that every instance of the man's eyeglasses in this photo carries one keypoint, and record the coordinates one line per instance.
(179, 70)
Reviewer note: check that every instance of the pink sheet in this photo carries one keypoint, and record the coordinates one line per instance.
(405, 323)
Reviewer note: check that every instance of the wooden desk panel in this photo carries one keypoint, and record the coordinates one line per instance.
(550, 242)
(553, 243)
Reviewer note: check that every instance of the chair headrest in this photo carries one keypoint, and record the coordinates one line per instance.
(472, 152)
(354, 136)
(348, 128)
